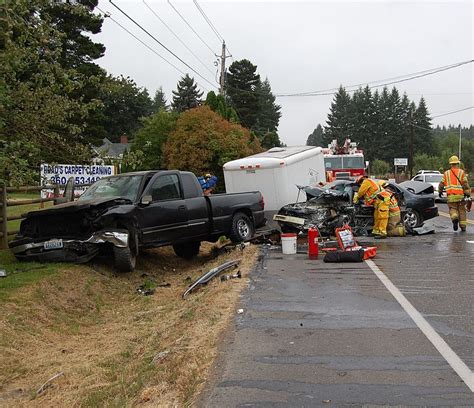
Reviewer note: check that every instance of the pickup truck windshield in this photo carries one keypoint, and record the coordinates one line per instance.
(122, 186)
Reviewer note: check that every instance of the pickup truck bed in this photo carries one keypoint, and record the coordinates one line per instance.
(121, 214)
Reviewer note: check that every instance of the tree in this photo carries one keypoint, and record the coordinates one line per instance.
(123, 103)
(242, 81)
(270, 139)
(380, 168)
(316, 138)
(364, 123)
(423, 142)
(269, 113)
(74, 19)
(203, 141)
(159, 101)
(187, 95)
(151, 138)
(36, 105)
(339, 125)
(219, 104)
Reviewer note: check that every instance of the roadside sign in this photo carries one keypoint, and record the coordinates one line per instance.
(400, 162)
(60, 173)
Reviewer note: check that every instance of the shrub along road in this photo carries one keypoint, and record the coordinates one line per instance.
(316, 334)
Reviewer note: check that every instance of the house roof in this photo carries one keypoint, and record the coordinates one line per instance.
(112, 150)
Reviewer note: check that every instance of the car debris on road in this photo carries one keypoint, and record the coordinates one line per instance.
(204, 279)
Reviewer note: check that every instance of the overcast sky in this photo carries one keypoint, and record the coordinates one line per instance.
(305, 46)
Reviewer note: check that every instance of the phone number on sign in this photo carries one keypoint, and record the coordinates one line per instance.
(77, 180)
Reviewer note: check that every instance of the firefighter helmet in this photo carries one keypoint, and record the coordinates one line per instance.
(454, 160)
(359, 179)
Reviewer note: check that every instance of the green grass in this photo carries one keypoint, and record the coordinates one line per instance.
(20, 274)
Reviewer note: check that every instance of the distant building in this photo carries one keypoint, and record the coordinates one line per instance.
(112, 151)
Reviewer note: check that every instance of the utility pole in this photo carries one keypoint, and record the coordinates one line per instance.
(412, 138)
(222, 77)
(460, 141)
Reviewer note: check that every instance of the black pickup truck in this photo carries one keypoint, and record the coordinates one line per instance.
(121, 214)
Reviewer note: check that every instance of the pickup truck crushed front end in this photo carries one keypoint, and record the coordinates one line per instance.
(72, 232)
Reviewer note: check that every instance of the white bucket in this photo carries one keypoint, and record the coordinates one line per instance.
(288, 244)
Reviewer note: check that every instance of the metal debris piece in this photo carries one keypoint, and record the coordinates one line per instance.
(3, 273)
(160, 357)
(237, 275)
(240, 311)
(47, 384)
(204, 279)
(145, 291)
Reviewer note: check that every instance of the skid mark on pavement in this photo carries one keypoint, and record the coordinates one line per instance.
(447, 352)
(447, 216)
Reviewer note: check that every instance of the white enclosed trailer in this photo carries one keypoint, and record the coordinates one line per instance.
(276, 173)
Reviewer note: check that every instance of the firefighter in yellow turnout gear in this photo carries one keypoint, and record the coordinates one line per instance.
(395, 228)
(370, 191)
(457, 189)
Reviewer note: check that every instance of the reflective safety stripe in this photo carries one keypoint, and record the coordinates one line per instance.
(453, 185)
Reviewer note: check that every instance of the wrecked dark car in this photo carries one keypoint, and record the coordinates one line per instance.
(330, 206)
(121, 214)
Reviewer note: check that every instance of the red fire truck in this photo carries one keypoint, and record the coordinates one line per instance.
(344, 161)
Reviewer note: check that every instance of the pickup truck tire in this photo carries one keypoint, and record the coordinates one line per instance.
(242, 228)
(188, 250)
(125, 259)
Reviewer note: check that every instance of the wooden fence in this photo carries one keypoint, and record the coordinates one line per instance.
(5, 203)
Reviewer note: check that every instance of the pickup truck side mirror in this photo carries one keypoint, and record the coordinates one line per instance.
(146, 199)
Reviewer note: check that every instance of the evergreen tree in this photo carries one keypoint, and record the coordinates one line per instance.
(338, 125)
(187, 95)
(423, 142)
(316, 138)
(159, 101)
(364, 122)
(242, 81)
(220, 105)
(76, 21)
(269, 112)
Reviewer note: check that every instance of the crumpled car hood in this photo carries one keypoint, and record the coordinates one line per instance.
(75, 206)
(417, 187)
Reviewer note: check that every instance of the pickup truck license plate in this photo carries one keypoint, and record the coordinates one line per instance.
(53, 244)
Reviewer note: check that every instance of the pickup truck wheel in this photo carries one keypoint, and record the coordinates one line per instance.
(242, 228)
(125, 259)
(188, 250)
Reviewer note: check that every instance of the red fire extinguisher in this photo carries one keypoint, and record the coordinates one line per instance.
(313, 247)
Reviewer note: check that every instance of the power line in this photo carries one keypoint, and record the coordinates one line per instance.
(108, 15)
(208, 21)
(160, 43)
(189, 25)
(393, 80)
(177, 37)
(452, 112)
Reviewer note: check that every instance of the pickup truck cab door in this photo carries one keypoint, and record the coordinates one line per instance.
(165, 218)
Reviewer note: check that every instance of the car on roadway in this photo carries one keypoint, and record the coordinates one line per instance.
(331, 205)
(432, 178)
(119, 215)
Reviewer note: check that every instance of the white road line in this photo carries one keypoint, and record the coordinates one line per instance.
(447, 352)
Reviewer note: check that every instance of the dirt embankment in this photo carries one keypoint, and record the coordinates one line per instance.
(116, 347)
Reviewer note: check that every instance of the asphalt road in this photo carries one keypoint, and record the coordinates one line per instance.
(399, 332)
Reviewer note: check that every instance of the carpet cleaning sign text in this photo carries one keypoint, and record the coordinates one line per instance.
(60, 174)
